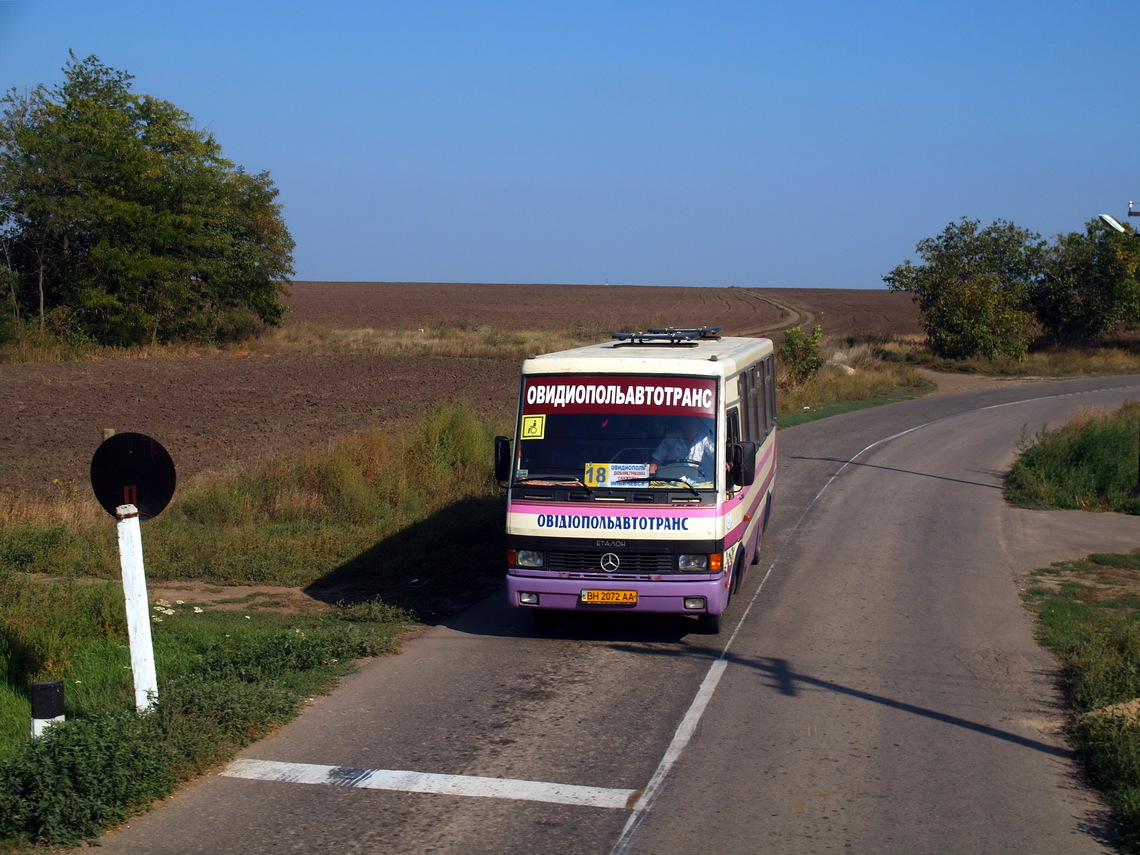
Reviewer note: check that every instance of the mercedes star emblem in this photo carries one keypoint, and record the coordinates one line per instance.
(610, 562)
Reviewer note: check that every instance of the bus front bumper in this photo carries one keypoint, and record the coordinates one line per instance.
(684, 595)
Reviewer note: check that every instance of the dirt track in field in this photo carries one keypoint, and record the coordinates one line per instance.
(215, 411)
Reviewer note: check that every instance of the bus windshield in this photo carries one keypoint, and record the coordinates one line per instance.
(603, 433)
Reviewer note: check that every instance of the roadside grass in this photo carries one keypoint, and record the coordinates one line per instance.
(285, 523)
(1110, 357)
(831, 393)
(227, 678)
(1088, 612)
(1088, 615)
(857, 375)
(1090, 463)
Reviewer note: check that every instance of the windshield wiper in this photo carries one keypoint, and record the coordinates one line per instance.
(675, 481)
(555, 479)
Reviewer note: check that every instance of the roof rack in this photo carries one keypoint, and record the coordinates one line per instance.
(685, 337)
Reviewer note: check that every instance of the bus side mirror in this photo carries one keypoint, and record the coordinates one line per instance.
(743, 463)
(502, 459)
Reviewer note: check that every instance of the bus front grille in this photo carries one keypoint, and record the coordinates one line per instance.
(638, 563)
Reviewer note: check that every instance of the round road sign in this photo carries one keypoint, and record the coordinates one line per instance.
(132, 469)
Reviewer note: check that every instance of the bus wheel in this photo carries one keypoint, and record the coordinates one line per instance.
(708, 624)
(763, 528)
(544, 618)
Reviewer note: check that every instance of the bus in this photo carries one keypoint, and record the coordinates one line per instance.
(641, 474)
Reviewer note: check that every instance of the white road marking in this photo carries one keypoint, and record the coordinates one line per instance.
(688, 725)
(430, 782)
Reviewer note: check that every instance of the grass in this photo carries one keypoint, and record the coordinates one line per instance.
(30, 345)
(1109, 357)
(288, 523)
(1088, 615)
(227, 679)
(1091, 463)
(857, 376)
(1088, 612)
(443, 340)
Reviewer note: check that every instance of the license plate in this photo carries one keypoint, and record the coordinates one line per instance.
(612, 598)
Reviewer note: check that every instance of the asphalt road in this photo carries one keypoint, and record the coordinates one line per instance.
(876, 689)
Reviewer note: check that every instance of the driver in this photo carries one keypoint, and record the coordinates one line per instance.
(689, 445)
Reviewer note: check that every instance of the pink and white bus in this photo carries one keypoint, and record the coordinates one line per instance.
(641, 474)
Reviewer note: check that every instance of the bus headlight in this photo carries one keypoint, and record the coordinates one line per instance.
(528, 558)
(700, 563)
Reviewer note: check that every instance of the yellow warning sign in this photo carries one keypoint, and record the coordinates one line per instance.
(533, 427)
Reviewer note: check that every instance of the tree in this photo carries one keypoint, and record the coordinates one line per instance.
(34, 201)
(125, 224)
(973, 289)
(1091, 285)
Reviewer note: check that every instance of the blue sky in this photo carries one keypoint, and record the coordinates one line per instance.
(650, 143)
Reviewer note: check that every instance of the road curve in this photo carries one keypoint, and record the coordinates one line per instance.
(877, 689)
(885, 694)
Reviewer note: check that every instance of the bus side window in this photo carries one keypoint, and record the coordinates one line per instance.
(754, 406)
(747, 419)
(733, 425)
(768, 394)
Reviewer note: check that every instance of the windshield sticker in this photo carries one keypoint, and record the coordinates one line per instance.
(533, 427)
(616, 475)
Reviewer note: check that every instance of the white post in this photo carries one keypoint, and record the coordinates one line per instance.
(138, 609)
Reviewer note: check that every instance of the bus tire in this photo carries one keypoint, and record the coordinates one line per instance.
(708, 624)
(763, 528)
(544, 618)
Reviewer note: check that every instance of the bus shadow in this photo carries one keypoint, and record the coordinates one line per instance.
(494, 617)
(842, 462)
(602, 626)
(789, 682)
(433, 568)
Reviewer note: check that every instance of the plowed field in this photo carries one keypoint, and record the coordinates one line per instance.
(215, 411)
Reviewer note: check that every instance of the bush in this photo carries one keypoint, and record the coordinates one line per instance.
(82, 777)
(799, 354)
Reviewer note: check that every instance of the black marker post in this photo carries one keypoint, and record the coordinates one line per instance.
(47, 705)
